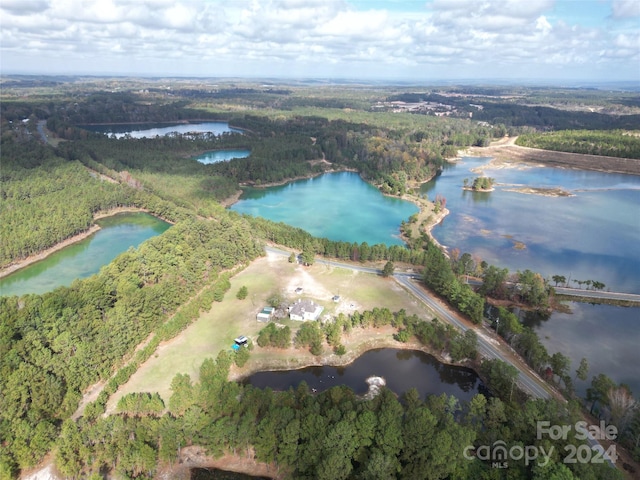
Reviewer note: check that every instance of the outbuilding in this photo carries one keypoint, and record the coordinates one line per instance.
(265, 314)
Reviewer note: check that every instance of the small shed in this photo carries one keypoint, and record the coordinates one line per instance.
(265, 314)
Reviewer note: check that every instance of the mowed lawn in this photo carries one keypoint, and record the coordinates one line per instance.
(215, 330)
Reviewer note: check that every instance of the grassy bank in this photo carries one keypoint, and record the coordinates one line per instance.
(216, 329)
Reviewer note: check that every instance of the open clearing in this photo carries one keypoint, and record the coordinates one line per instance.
(506, 151)
(215, 330)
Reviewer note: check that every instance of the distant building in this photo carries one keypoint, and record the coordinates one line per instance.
(265, 314)
(304, 310)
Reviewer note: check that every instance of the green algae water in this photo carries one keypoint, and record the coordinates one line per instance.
(84, 258)
(339, 206)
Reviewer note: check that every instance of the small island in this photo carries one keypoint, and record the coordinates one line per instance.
(480, 184)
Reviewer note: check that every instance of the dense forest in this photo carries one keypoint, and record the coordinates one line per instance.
(616, 143)
(53, 346)
(331, 435)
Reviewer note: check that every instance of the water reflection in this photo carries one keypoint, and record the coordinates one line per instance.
(216, 156)
(592, 235)
(84, 258)
(402, 370)
(151, 130)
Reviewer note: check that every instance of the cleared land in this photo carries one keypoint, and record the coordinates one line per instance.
(506, 150)
(216, 329)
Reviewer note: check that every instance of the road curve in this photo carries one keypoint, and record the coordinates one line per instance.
(527, 380)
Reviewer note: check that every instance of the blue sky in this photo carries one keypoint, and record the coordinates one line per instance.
(411, 40)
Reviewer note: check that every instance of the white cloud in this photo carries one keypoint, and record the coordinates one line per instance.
(543, 24)
(269, 36)
(22, 7)
(625, 9)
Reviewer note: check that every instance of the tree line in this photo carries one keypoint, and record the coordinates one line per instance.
(55, 345)
(611, 143)
(331, 435)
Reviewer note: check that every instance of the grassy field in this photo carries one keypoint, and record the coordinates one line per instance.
(215, 330)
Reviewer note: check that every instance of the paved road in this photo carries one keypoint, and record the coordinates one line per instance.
(576, 292)
(527, 380)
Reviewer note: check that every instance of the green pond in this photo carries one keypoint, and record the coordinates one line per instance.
(339, 206)
(84, 258)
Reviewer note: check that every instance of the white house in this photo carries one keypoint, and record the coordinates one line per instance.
(304, 310)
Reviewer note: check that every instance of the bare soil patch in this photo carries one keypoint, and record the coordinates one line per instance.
(196, 457)
(505, 151)
(215, 330)
(547, 192)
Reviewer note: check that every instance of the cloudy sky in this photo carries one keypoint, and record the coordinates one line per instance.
(545, 40)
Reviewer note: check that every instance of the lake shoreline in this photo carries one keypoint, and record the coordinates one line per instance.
(358, 342)
(229, 201)
(31, 259)
(505, 153)
(427, 218)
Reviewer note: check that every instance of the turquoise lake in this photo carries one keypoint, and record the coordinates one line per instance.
(84, 258)
(593, 234)
(339, 206)
(216, 156)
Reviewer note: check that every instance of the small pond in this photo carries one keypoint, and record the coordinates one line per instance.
(401, 369)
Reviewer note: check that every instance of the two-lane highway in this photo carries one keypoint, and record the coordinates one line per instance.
(489, 348)
(527, 379)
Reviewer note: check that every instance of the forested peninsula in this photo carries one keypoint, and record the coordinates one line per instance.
(54, 346)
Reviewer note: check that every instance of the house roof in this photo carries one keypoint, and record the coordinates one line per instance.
(302, 306)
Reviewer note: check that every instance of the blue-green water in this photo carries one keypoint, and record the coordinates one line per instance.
(151, 130)
(216, 156)
(84, 258)
(592, 235)
(607, 336)
(339, 206)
